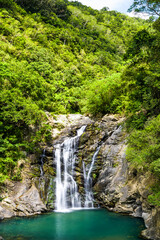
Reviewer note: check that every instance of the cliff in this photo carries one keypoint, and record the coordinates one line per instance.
(117, 185)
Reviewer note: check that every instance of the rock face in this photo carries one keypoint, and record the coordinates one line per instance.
(120, 188)
(24, 200)
(117, 186)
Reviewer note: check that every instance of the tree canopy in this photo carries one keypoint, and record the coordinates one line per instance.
(148, 6)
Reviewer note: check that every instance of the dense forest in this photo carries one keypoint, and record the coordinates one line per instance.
(63, 57)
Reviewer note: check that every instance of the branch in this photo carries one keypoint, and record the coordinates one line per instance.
(152, 9)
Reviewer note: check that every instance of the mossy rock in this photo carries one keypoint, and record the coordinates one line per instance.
(48, 170)
(50, 201)
(36, 170)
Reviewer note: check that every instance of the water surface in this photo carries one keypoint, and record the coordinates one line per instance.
(77, 225)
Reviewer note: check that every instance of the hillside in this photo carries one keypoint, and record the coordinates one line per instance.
(63, 57)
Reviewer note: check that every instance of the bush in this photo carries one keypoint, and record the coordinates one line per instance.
(102, 96)
(144, 153)
(6, 3)
(46, 8)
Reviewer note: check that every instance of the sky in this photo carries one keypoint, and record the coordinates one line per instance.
(118, 5)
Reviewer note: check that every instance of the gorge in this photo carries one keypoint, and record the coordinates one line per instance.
(90, 152)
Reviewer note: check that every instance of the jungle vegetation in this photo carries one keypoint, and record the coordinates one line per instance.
(63, 57)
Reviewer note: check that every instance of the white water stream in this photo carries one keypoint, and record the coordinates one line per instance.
(89, 200)
(67, 195)
(41, 166)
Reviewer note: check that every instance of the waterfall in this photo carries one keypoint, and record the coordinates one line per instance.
(41, 179)
(88, 183)
(41, 166)
(67, 195)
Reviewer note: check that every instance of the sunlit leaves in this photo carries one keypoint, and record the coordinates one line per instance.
(144, 153)
(102, 96)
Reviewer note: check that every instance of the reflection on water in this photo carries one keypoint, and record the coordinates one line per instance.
(76, 225)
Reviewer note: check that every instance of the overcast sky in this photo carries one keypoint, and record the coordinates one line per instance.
(118, 5)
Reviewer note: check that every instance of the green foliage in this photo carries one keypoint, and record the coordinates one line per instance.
(103, 95)
(2, 179)
(141, 40)
(141, 78)
(144, 145)
(144, 153)
(156, 24)
(140, 98)
(149, 6)
(6, 3)
(19, 112)
(154, 197)
(47, 8)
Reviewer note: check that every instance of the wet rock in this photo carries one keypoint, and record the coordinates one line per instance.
(121, 188)
(137, 211)
(152, 221)
(32, 199)
(6, 212)
(34, 159)
(62, 123)
(24, 202)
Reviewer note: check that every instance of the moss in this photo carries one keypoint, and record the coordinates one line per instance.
(94, 175)
(154, 197)
(51, 194)
(51, 171)
(48, 170)
(59, 126)
(35, 170)
(17, 176)
(1, 199)
(116, 164)
(31, 174)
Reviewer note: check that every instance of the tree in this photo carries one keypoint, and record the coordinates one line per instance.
(149, 6)
(6, 3)
(105, 9)
(46, 7)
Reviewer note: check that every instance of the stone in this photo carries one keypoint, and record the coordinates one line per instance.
(34, 159)
(109, 118)
(137, 212)
(32, 198)
(6, 212)
(25, 201)
(119, 188)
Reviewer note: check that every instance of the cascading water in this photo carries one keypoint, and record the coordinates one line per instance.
(67, 195)
(89, 200)
(41, 166)
(41, 179)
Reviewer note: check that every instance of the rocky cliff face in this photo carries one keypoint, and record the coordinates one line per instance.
(120, 188)
(117, 186)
